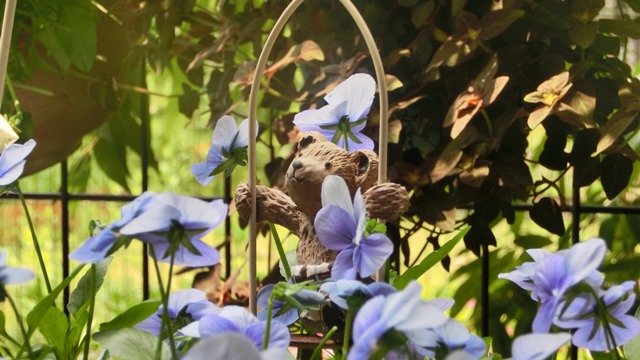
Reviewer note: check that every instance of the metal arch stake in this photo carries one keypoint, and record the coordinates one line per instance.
(5, 41)
(253, 100)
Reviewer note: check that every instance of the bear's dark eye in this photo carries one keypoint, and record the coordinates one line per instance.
(327, 165)
(305, 142)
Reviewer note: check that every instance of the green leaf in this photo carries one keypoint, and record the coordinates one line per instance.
(435, 257)
(584, 34)
(79, 174)
(496, 22)
(111, 159)
(634, 4)
(35, 317)
(621, 27)
(47, 36)
(79, 24)
(131, 344)
(54, 328)
(82, 293)
(420, 14)
(613, 130)
(132, 316)
(532, 241)
(616, 173)
(554, 14)
(548, 215)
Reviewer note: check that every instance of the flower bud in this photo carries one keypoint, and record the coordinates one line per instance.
(7, 135)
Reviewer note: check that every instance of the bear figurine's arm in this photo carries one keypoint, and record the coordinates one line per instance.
(386, 201)
(272, 205)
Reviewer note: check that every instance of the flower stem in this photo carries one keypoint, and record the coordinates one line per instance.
(283, 255)
(36, 245)
(347, 334)
(22, 329)
(318, 350)
(92, 304)
(487, 121)
(165, 303)
(267, 330)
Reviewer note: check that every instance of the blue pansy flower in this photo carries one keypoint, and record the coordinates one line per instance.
(228, 149)
(402, 311)
(449, 337)
(339, 291)
(340, 226)
(172, 223)
(236, 319)
(99, 246)
(344, 116)
(591, 322)
(183, 307)
(538, 346)
(553, 275)
(303, 296)
(12, 161)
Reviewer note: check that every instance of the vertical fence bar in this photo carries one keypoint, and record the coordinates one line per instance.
(145, 144)
(575, 234)
(484, 293)
(64, 202)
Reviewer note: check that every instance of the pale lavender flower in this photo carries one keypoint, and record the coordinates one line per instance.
(402, 311)
(340, 226)
(339, 291)
(172, 223)
(584, 315)
(450, 337)
(538, 346)
(183, 307)
(99, 246)
(7, 135)
(228, 149)
(236, 319)
(344, 116)
(12, 161)
(13, 275)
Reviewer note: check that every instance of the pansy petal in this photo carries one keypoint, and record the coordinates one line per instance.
(155, 219)
(374, 251)
(243, 134)
(216, 324)
(335, 228)
(11, 174)
(544, 317)
(365, 142)
(475, 346)
(227, 346)
(279, 336)
(336, 192)
(88, 254)
(151, 324)
(538, 346)
(343, 267)
(313, 119)
(12, 161)
(224, 132)
(442, 304)
(208, 256)
(358, 90)
(181, 298)
(13, 275)
(201, 171)
(453, 333)
(585, 257)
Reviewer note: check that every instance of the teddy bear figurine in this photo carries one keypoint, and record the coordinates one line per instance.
(315, 158)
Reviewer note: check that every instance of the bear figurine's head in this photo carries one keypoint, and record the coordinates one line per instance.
(315, 158)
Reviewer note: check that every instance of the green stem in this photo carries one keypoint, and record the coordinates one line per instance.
(92, 305)
(318, 350)
(267, 330)
(165, 311)
(22, 329)
(283, 255)
(347, 334)
(487, 121)
(36, 245)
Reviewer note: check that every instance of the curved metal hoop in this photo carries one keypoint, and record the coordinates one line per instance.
(253, 100)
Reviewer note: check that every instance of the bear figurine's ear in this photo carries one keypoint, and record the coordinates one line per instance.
(366, 168)
(310, 138)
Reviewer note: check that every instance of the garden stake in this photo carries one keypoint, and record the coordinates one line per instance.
(253, 105)
(5, 43)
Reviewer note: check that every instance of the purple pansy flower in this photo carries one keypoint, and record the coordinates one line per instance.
(537, 346)
(96, 248)
(344, 116)
(552, 275)
(13, 275)
(236, 319)
(228, 149)
(188, 218)
(403, 311)
(584, 315)
(451, 336)
(340, 226)
(183, 306)
(339, 291)
(12, 161)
